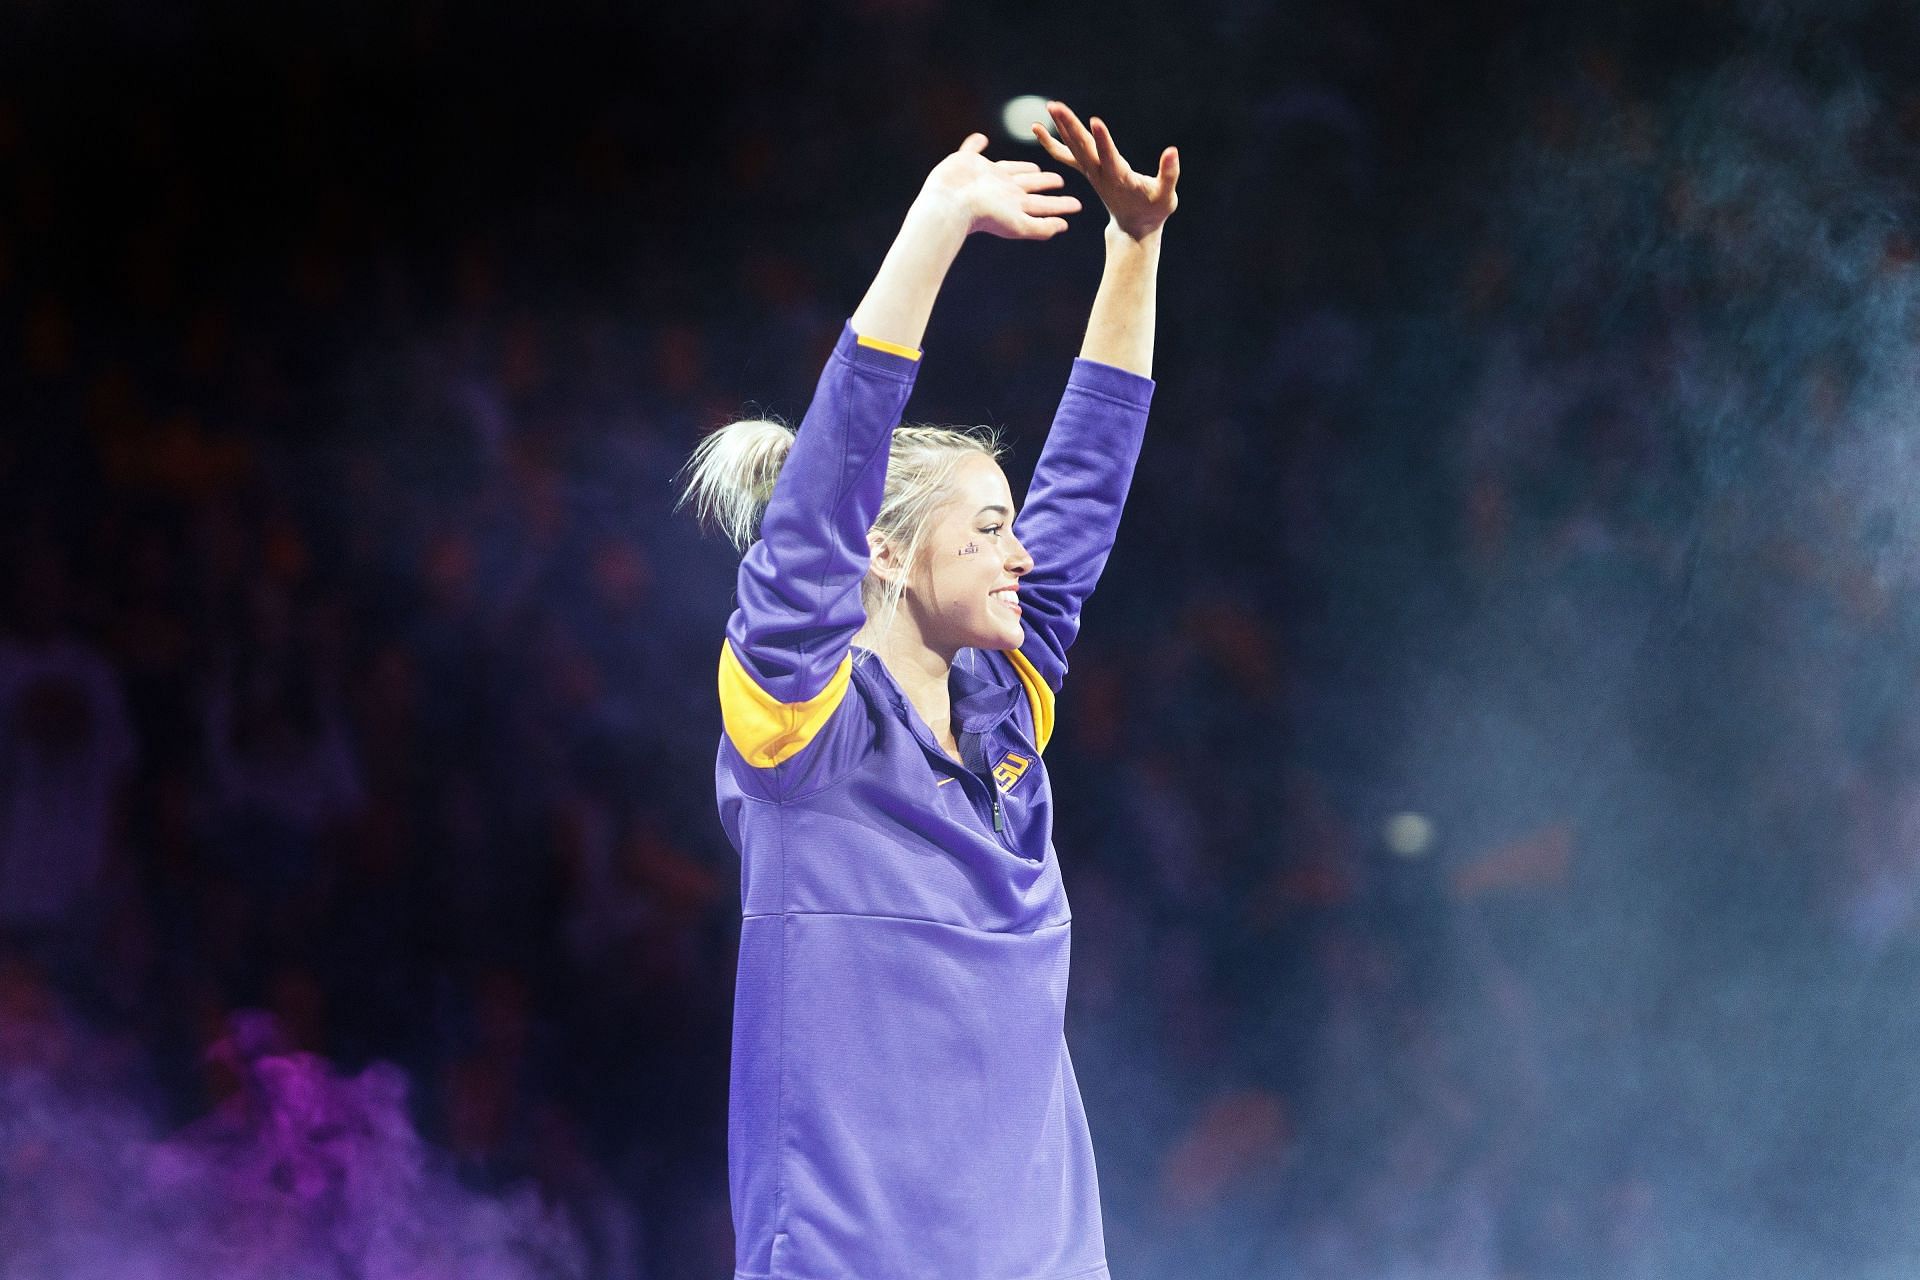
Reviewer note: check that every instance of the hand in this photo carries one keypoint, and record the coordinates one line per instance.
(1138, 204)
(1001, 197)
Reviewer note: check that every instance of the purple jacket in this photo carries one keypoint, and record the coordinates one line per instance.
(903, 1106)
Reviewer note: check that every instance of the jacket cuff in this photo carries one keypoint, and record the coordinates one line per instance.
(1112, 383)
(876, 355)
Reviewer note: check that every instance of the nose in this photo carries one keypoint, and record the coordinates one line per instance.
(1019, 563)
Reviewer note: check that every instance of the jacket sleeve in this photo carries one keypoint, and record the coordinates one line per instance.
(786, 662)
(1071, 515)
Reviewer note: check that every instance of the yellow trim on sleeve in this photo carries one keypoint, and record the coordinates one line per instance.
(1039, 693)
(891, 348)
(765, 730)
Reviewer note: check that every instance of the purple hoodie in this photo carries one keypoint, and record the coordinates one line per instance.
(903, 1106)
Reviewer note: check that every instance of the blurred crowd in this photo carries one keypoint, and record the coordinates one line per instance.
(1489, 790)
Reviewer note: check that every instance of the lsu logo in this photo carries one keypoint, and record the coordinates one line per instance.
(1011, 768)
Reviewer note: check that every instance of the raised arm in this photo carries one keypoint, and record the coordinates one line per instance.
(966, 192)
(786, 662)
(1081, 479)
(1120, 330)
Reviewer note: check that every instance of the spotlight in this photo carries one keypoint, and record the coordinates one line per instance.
(1408, 834)
(1023, 112)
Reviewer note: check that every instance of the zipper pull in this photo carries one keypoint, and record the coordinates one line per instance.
(998, 825)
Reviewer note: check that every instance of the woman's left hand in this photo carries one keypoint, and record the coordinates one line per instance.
(1138, 204)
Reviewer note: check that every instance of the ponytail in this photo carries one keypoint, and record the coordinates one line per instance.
(730, 477)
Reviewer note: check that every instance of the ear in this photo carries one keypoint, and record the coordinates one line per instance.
(883, 558)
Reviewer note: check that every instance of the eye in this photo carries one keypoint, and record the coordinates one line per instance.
(992, 528)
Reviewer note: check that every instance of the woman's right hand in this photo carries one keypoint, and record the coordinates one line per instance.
(1138, 203)
(1001, 197)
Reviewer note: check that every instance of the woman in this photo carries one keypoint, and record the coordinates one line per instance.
(903, 1104)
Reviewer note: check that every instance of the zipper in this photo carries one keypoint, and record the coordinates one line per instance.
(970, 751)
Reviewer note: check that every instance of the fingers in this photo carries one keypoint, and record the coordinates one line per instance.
(975, 144)
(1051, 145)
(1139, 202)
(1074, 134)
(1039, 180)
(1039, 229)
(1065, 123)
(1109, 154)
(1043, 206)
(1169, 175)
(1022, 226)
(1016, 166)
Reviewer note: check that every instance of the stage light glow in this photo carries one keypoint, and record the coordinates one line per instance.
(1020, 115)
(1408, 834)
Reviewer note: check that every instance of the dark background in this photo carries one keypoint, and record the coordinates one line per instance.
(1488, 782)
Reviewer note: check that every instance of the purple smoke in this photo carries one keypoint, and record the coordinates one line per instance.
(299, 1172)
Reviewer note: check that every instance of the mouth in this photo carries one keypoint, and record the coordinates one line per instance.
(1006, 597)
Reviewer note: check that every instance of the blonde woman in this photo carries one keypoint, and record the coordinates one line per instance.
(902, 1100)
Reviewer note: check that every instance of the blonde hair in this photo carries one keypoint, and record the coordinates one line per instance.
(730, 479)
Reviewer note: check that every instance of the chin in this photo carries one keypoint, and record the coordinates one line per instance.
(1004, 635)
(998, 641)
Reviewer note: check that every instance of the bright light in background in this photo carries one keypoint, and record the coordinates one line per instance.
(1020, 115)
(1408, 834)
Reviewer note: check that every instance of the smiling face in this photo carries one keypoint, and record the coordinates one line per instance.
(964, 592)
